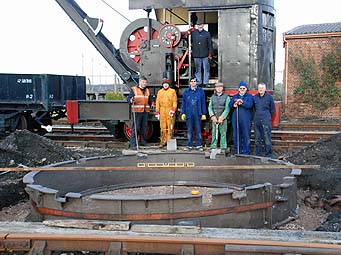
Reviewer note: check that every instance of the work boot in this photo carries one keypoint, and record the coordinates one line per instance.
(132, 147)
(200, 148)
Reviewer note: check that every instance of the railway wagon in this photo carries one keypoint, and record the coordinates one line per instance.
(30, 101)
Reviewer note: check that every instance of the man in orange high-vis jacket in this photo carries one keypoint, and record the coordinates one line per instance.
(140, 100)
(166, 103)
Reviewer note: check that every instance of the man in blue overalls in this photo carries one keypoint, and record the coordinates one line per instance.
(264, 110)
(242, 103)
(193, 111)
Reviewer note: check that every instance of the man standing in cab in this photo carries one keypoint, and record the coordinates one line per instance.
(140, 100)
(202, 50)
(264, 110)
(219, 109)
(193, 111)
(166, 104)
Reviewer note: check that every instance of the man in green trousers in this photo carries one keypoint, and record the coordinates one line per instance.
(218, 110)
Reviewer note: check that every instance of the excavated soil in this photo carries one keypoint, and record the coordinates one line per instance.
(23, 148)
(320, 189)
(327, 153)
(317, 187)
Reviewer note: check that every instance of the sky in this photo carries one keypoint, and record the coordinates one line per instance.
(38, 37)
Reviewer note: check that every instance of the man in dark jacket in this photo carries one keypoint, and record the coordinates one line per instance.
(193, 111)
(202, 50)
(242, 103)
(264, 110)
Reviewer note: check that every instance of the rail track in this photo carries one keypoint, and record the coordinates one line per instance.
(129, 239)
(288, 136)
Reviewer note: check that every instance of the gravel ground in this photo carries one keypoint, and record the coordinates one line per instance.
(308, 218)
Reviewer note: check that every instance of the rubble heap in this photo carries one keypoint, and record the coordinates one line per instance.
(25, 148)
(327, 154)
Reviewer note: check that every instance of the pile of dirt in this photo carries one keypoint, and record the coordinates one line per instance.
(327, 179)
(323, 183)
(23, 148)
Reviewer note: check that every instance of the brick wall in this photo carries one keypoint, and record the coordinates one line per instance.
(308, 47)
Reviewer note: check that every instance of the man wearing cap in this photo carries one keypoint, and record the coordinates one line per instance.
(166, 103)
(140, 100)
(264, 110)
(242, 104)
(193, 111)
(219, 109)
(202, 50)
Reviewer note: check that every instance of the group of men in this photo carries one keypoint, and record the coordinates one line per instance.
(243, 105)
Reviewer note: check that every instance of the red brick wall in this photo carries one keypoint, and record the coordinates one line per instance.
(307, 47)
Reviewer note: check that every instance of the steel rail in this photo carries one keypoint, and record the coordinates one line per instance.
(154, 243)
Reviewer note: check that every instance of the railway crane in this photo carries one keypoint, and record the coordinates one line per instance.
(243, 34)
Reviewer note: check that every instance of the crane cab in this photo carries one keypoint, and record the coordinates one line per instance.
(243, 35)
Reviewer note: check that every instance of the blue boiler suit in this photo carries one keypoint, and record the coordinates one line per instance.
(194, 105)
(264, 110)
(242, 130)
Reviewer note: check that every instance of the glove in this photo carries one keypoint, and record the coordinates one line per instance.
(183, 116)
(171, 113)
(214, 118)
(132, 100)
(203, 117)
(221, 119)
(157, 115)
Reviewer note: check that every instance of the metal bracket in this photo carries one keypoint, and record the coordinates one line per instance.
(38, 248)
(187, 249)
(115, 248)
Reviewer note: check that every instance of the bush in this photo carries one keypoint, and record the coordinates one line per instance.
(114, 96)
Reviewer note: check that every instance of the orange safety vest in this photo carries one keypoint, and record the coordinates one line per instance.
(140, 103)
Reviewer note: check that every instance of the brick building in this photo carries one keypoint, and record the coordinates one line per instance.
(307, 46)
